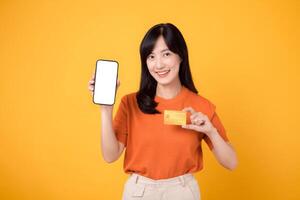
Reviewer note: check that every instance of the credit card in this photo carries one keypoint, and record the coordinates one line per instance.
(174, 117)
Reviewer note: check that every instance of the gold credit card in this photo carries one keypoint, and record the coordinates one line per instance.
(174, 117)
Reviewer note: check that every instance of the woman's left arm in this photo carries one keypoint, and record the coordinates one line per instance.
(223, 151)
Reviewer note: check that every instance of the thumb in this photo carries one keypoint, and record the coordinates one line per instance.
(190, 126)
(118, 83)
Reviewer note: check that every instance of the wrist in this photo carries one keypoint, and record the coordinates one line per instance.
(212, 132)
(106, 109)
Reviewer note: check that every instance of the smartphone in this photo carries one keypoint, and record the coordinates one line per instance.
(106, 76)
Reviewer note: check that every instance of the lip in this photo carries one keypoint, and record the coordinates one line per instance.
(163, 75)
(162, 71)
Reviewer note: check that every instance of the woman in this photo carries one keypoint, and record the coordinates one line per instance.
(161, 158)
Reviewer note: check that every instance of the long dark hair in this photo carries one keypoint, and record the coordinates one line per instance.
(176, 43)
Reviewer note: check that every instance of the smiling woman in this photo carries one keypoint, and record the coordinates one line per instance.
(162, 63)
(165, 66)
(160, 157)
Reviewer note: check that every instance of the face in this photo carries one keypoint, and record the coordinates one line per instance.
(163, 64)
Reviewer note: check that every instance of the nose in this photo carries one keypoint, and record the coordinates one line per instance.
(159, 64)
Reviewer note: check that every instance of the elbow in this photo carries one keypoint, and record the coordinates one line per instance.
(232, 162)
(107, 160)
(232, 165)
(229, 163)
(110, 156)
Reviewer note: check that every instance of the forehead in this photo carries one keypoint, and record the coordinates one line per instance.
(160, 45)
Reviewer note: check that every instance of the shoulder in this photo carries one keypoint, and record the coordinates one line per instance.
(201, 103)
(200, 99)
(129, 98)
(129, 102)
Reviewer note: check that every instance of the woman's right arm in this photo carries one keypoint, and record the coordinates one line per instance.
(111, 148)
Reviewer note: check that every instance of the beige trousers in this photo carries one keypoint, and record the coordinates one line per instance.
(184, 187)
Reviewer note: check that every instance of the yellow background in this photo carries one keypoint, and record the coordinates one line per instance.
(243, 57)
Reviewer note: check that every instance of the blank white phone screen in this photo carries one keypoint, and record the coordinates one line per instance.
(105, 82)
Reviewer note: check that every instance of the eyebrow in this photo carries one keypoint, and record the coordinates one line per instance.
(162, 50)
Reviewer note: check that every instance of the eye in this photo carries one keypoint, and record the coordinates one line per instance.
(167, 54)
(150, 57)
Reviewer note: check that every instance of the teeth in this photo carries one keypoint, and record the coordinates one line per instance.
(163, 73)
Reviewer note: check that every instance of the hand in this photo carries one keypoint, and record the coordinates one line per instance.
(91, 87)
(200, 122)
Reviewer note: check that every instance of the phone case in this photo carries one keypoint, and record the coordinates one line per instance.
(105, 91)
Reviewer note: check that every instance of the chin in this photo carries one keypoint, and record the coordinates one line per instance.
(164, 82)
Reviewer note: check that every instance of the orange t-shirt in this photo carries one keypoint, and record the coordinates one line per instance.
(160, 151)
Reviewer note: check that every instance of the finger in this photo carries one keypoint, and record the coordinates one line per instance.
(197, 122)
(91, 88)
(202, 114)
(189, 109)
(190, 126)
(202, 122)
(91, 82)
(195, 115)
(206, 117)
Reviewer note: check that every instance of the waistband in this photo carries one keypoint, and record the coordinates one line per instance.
(182, 179)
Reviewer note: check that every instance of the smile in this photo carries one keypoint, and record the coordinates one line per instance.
(163, 73)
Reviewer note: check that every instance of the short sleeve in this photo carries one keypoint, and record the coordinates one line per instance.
(216, 122)
(120, 121)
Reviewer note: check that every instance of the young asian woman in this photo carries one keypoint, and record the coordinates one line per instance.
(161, 158)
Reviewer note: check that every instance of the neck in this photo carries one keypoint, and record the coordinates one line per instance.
(168, 91)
